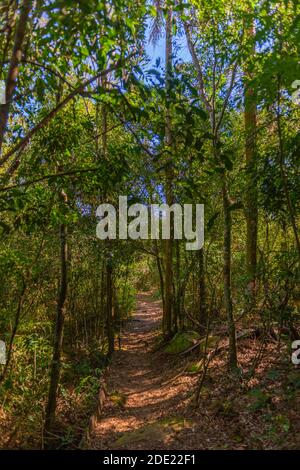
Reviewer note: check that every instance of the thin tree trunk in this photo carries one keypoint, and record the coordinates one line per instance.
(210, 108)
(232, 360)
(176, 314)
(59, 327)
(161, 277)
(109, 284)
(202, 292)
(117, 316)
(14, 332)
(109, 308)
(14, 66)
(251, 193)
(169, 182)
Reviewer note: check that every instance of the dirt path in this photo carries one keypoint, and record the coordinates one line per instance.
(152, 407)
(144, 411)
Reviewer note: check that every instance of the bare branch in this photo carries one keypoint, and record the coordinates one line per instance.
(198, 68)
(225, 103)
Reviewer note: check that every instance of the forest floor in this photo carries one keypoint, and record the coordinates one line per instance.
(151, 405)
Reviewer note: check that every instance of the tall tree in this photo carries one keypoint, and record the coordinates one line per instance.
(169, 178)
(250, 153)
(59, 326)
(60, 312)
(13, 71)
(216, 120)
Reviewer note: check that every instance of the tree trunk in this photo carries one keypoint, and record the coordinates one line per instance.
(14, 66)
(109, 307)
(226, 202)
(176, 303)
(160, 273)
(169, 181)
(202, 293)
(232, 360)
(14, 332)
(251, 192)
(109, 243)
(59, 327)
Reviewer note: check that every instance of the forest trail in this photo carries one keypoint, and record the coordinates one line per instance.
(145, 406)
(150, 404)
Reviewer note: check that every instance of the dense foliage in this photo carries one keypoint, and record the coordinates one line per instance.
(88, 115)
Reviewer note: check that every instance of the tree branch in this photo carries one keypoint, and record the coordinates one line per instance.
(23, 142)
(14, 67)
(198, 68)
